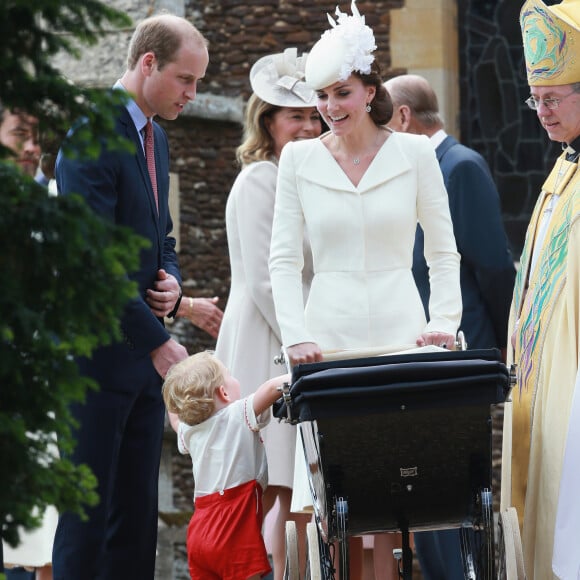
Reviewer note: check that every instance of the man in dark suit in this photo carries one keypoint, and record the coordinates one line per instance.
(121, 425)
(487, 271)
(19, 133)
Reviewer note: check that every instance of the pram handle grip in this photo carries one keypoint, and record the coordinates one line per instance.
(331, 355)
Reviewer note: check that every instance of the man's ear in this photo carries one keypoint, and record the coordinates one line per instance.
(405, 116)
(148, 61)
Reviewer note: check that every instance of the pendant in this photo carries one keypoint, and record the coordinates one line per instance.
(356, 160)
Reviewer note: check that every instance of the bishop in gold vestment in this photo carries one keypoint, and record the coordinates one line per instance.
(545, 313)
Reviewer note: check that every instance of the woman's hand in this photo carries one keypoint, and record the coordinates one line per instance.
(304, 352)
(442, 339)
(203, 313)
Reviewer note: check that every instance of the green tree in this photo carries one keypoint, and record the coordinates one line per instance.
(64, 270)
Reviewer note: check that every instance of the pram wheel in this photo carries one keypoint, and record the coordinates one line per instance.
(341, 506)
(319, 564)
(478, 544)
(511, 557)
(292, 569)
(313, 563)
(488, 548)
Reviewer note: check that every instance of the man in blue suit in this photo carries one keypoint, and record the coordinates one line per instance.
(487, 271)
(121, 425)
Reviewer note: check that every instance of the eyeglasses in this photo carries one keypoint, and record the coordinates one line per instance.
(550, 103)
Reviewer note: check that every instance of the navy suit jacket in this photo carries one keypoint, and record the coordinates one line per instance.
(487, 271)
(118, 187)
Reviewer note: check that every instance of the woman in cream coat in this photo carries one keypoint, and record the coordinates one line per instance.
(358, 192)
(363, 293)
(249, 337)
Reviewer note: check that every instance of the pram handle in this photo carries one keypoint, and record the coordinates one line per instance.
(331, 355)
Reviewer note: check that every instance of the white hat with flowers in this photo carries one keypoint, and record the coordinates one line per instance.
(345, 48)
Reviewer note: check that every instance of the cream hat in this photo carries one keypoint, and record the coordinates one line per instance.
(278, 79)
(346, 47)
(551, 38)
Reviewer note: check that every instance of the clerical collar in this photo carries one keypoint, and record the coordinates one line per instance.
(572, 150)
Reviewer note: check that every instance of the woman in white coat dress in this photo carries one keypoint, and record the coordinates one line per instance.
(281, 109)
(359, 191)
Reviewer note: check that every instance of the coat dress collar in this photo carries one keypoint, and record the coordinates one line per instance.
(319, 166)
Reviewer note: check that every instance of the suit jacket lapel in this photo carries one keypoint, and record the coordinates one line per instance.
(132, 135)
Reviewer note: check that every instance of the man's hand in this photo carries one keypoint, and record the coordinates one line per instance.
(164, 295)
(166, 355)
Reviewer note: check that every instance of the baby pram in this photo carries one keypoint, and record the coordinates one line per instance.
(398, 443)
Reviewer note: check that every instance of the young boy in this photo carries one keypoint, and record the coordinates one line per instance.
(221, 433)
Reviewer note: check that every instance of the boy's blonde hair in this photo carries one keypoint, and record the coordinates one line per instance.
(189, 387)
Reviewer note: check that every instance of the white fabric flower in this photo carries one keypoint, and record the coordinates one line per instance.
(358, 39)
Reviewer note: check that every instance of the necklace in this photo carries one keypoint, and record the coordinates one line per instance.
(356, 160)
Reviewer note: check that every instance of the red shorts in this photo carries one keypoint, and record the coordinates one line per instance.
(224, 537)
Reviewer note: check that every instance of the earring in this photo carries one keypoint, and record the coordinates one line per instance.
(368, 108)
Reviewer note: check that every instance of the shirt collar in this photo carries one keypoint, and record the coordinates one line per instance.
(438, 138)
(137, 115)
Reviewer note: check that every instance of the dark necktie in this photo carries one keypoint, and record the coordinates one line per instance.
(150, 156)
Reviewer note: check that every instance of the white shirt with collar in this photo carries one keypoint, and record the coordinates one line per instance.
(438, 138)
(137, 115)
(226, 450)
